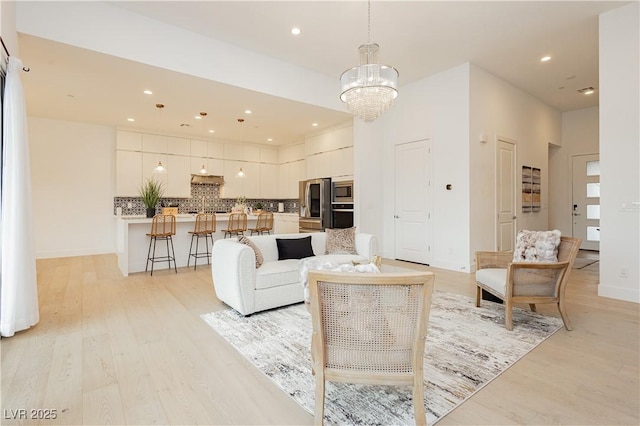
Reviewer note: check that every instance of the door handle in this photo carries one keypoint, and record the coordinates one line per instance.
(395, 216)
(577, 214)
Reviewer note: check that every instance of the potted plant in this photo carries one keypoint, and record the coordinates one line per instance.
(258, 207)
(151, 192)
(240, 206)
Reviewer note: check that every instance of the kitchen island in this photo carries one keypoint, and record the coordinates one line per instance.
(132, 243)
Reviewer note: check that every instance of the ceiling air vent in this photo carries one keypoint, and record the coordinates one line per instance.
(587, 90)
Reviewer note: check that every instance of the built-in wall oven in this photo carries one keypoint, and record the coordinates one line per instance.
(342, 204)
(315, 205)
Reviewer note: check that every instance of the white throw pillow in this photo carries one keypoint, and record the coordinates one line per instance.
(537, 246)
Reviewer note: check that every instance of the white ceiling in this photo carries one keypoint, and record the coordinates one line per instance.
(419, 38)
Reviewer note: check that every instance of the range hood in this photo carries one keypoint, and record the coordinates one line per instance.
(207, 179)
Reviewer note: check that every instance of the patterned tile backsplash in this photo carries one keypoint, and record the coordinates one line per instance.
(203, 198)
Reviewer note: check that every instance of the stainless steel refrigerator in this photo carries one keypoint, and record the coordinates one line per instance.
(315, 205)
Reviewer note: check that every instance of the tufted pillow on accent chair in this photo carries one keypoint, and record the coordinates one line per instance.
(537, 246)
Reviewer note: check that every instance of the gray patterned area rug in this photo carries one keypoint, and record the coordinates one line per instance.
(466, 348)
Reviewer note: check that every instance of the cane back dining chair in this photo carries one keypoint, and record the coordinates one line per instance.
(264, 224)
(163, 227)
(369, 328)
(204, 227)
(237, 225)
(526, 282)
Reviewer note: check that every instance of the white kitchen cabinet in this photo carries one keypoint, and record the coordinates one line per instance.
(154, 143)
(232, 151)
(128, 173)
(342, 137)
(284, 174)
(215, 150)
(178, 146)
(251, 184)
(149, 163)
(247, 186)
(312, 166)
(268, 155)
(198, 148)
(324, 164)
(286, 223)
(233, 185)
(269, 181)
(130, 141)
(250, 153)
(290, 174)
(318, 143)
(214, 166)
(197, 163)
(342, 162)
(291, 153)
(178, 176)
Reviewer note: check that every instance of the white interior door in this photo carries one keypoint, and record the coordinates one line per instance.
(586, 200)
(505, 195)
(413, 237)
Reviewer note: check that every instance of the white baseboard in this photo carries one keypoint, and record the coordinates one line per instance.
(620, 293)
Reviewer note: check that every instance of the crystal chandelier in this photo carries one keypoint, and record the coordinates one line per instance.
(370, 88)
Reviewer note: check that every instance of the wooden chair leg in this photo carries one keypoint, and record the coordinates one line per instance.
(508, 314)
(533, 307)
(478, 295)
(318, 414)
(563, 314)
(418, 400)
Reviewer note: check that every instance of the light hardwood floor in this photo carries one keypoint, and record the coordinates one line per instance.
(114, 350)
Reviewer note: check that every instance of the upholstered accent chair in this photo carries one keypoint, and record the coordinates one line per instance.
(526, 282)
(369, 328)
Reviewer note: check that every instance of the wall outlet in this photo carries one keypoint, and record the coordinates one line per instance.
(624, 273)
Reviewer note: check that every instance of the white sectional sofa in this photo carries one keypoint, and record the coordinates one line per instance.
(248, 289)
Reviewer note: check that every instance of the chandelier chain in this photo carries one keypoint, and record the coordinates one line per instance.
(369, 21)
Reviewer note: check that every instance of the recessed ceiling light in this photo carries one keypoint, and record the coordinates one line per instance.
(295, 31)
(247, 111)
(589, 92)
(314, 124)
(131, 119)
(211, 131)
(148, 92)
(269, 139)
(197, 117)
(545, 59)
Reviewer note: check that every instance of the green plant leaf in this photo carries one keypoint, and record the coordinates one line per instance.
(151, 192)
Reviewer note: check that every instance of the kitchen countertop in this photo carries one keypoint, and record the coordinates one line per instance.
(189, 217)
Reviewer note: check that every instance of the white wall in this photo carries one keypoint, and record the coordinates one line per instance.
(109, 29)
(435, 108)
(579, 137)
(499, 109)
(369, 187)
(620, 153)
(73, 185)
(452, 109)
(8, 26)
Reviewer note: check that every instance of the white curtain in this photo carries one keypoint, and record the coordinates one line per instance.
(19, 288)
